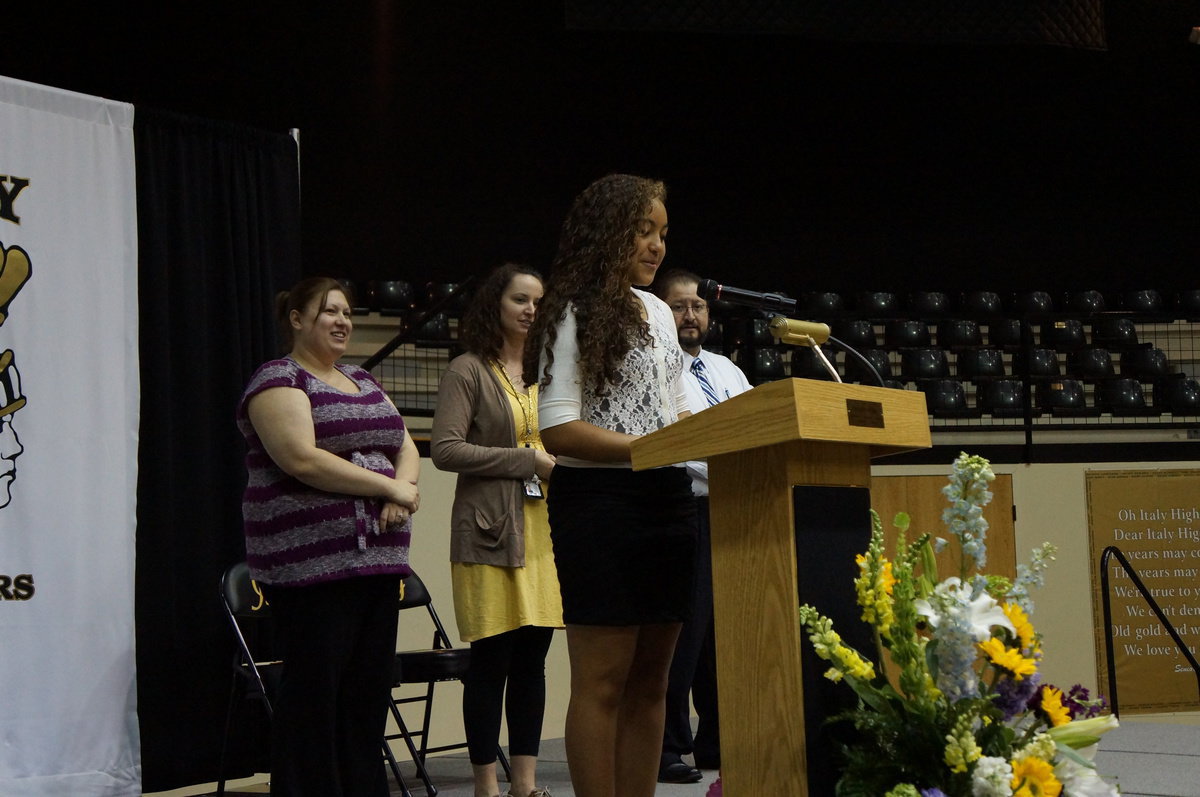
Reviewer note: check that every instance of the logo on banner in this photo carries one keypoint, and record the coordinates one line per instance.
(15, 271)
(9, 188)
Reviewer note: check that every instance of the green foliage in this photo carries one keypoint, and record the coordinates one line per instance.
(964, 706)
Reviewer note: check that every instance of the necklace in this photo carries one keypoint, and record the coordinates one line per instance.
(512, 378)
(526, 401)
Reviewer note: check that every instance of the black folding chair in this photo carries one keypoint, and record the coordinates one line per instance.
(254, 677)
(428, 666)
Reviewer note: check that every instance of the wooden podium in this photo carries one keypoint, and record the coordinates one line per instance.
(759, 445)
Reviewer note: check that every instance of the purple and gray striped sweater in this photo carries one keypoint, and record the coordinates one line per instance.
(296, 534)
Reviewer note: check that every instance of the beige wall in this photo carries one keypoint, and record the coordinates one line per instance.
(1051, 506)
(430, 557)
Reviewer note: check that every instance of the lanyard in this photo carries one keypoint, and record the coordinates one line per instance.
(527, 403)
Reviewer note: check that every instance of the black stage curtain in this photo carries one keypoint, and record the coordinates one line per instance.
(218, 234)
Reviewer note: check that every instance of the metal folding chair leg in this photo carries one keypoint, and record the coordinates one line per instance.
(395, 767)
(417, 755)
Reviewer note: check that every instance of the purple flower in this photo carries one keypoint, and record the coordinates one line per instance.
(1013, 697)
(1080, 704)
(935, 792)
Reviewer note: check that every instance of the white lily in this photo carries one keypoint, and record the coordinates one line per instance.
(954, 597)
(1081, 779)
(1080, 734)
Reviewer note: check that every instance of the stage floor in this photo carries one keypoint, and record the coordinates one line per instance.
(1146, 759)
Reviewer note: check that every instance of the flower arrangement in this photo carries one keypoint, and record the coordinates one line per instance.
(969, 715)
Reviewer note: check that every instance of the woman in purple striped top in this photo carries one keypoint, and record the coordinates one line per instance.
(332, 486)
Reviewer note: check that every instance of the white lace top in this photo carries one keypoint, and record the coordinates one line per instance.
(647, 395)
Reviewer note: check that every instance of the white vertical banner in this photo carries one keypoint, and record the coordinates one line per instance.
(68, 442)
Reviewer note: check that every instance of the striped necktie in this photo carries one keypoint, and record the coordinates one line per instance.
(705, 385)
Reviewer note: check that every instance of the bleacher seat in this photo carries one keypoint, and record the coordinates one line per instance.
(1033, 303)
(435, 328)
(856, 371)
(1149, 302)
(1005, 333)
(1121, 396)
(929, 304)
(821, 304)
(1115, 333)
(924, 363)
(759, 364)
(438, 291)
(1065, 334)
(742, 332)
(959, 334)
(1148, 363)
(1063, 397)
(1086, 302)
(947, 398)
(1090, 364)
(1187, 304)
(1178, 395)
(879, 304)
(1038, 364)
(980, 364)
(981, 303)
(906, 333)
(1002, 398)
(857, 334)
(391, 297)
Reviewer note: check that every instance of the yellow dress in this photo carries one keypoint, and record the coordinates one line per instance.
(489, 599)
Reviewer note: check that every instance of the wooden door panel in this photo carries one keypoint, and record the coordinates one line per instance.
(921, 497)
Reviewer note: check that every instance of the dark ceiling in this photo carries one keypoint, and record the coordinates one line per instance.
(441, 138)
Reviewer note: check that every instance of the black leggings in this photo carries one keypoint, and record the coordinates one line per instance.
(517, 657)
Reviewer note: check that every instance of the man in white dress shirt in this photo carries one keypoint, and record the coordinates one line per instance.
(708, 379)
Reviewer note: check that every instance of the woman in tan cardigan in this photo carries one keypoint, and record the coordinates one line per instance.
(506, 594)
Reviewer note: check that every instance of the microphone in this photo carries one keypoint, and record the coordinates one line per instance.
(711, 291)
(804, 333)
(785, 330)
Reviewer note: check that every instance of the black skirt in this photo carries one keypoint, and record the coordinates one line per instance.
(624, 544)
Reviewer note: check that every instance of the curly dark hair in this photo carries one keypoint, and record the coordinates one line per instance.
(591, 272)
(480, 332)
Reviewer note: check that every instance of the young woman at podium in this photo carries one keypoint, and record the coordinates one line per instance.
(609, 364)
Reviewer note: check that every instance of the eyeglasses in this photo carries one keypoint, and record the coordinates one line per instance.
(696, 307)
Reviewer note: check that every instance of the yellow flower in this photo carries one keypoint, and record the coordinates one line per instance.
(1020, 620)
(885, 576)
(961, 749)
(931, 688)
(1053, 708)
(874, 590)
(1008, 659)
(852, 664)
(1033, 777)
(828, 645)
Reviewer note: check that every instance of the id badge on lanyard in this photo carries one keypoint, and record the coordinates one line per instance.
(533, 487)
